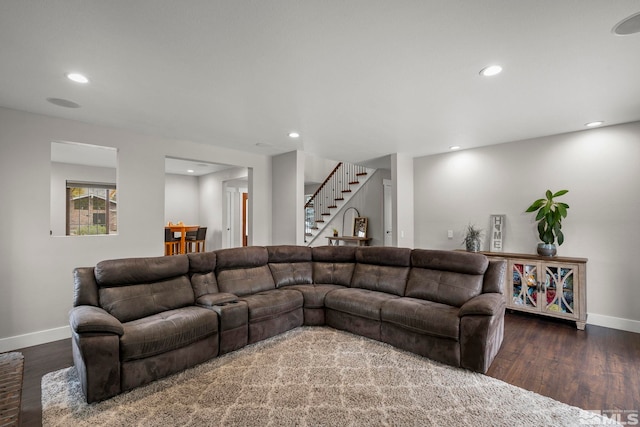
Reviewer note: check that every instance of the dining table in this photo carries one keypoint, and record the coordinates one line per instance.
(182, 229)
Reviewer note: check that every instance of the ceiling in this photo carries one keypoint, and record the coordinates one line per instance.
(358, 79)
(191, 167)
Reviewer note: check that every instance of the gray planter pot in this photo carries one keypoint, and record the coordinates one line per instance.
(473, 246)
(546, 249)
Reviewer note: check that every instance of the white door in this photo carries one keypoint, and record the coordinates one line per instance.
(229, 220)
(387, 212)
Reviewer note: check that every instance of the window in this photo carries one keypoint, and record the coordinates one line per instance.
(92, 208)
(83, 197)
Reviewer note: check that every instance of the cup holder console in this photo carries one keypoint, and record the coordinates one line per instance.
(222, 304)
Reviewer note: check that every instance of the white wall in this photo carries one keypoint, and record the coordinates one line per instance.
(181, 199)
(403, 191)
(316, 169)
(600, 169)
(36, 289)
(288, 198)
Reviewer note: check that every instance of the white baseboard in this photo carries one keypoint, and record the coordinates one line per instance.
(34, 338)
(613, 322)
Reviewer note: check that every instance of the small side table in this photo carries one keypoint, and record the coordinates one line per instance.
(359, 241)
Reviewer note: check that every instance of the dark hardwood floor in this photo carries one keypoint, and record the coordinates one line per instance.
(597, 368)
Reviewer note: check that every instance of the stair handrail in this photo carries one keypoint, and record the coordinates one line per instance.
(308, 203)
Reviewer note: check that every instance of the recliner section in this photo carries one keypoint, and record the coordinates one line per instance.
(139, 319)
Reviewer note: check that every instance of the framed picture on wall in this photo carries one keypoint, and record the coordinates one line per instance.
(360, 226)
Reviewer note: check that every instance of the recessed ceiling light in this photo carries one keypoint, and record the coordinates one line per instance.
(593, 124)
(294, 135)
(78, 78)
(491, 70)
(190, 170)
(455, 147)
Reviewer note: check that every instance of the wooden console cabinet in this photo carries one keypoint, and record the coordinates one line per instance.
(549, 286)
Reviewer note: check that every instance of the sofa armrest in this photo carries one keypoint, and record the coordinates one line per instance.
(211, 300)
(88, 318)
(488, 304)
(481, 330)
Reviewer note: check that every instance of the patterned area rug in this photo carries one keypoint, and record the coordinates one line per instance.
(11, 374)
(312, 376)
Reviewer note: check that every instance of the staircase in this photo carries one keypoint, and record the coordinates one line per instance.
(337, 189)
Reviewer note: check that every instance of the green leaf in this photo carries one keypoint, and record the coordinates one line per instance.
(562, 210)
(549, 194)
(541, 227)
(560, 193)
(535, 205)
(560, 237)
(549, 217)
(540, 215)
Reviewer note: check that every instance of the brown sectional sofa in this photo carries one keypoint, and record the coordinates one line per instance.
(139, 319)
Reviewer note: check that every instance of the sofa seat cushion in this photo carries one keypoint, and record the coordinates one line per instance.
(270, 304)
(166, 331)
(425, 317)
(314, 294)
(358, 302)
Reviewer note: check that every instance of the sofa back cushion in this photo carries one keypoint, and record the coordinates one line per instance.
(495, 276)
(446, 277)
(290, 265)
(383, 269)
(243, 271)
(333, 265)
(202, 267)
(133, 288)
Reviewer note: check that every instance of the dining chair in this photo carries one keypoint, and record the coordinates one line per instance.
(195, 240)
(171, 243)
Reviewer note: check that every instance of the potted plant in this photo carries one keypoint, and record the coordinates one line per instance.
(472, 238)
(335, 232)
(549, 216)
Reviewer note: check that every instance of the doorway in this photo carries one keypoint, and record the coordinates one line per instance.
(236, 214)
(245, 224)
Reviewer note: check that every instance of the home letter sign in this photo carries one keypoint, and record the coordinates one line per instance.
(496, 227)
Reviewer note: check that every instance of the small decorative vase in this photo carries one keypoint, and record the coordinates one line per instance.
(335, 233)
(473, 246)
(546, 249)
